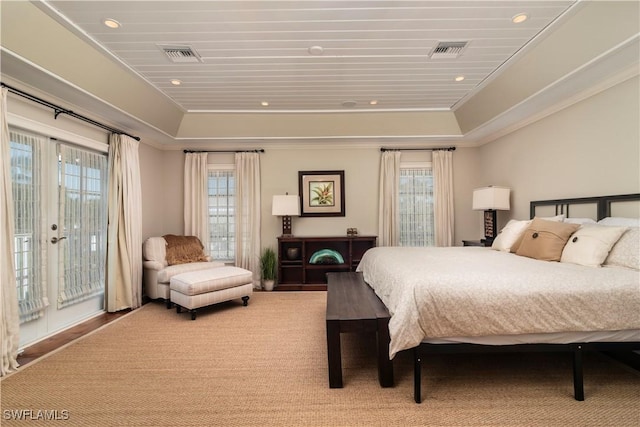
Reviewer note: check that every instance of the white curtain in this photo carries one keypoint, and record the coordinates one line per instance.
(248, 214)
(9, 319)
(196, 210)
(443, 196)
(389, 206)
(124, 242)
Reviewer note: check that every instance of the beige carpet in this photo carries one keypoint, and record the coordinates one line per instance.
(265, 364)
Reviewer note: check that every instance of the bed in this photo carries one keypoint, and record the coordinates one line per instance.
(481, 299)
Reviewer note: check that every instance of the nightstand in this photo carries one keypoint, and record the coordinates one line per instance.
(475, 243)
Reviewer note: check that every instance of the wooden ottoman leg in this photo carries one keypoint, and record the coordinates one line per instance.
(193, 314)
(178, 309)
(245, 301)
(168, 301)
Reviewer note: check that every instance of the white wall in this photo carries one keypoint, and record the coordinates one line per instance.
(162, 182)
(589, 149)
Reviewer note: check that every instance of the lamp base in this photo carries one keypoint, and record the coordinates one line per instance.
(490, 225)
(286, 226)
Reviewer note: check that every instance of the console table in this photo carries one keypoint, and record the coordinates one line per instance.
(295, 272)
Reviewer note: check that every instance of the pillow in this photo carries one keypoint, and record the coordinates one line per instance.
(580, 221)
(620, 222)
(591, 244)
(184, 249)
(544, 239)
(626, 252)
(557, 218)
(560, 217)
(509, 235)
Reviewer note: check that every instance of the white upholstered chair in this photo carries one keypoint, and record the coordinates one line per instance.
(158, 272)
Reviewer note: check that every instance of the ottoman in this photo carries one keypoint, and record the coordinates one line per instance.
(201, 288)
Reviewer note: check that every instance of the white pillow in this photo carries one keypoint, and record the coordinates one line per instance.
(620, 222)
(591, 244)
(509, 235)
(559, 218)
(580, 221)
(626, 252)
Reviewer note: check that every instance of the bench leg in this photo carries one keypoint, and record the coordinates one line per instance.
(245, 301)
(333, 354)
(417, 375)
(193, 314)
(385, 365)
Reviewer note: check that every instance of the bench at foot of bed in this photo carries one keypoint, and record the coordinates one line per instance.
(352, 306)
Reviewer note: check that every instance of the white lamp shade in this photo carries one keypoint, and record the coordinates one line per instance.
(288, 205)
(496, 198)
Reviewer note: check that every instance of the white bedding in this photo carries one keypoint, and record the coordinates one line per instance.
(437, 293)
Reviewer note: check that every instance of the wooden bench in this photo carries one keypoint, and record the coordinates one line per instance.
(352, 306)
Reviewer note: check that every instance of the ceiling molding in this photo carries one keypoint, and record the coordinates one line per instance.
(609, 69)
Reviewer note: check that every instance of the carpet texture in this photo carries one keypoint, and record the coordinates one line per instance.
(265, 365)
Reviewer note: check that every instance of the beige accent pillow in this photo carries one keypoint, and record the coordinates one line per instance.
(626, 252)
(518, 242)
(545, 240)
(591, 244)
(509, 235)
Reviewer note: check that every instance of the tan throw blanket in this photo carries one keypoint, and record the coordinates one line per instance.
(184, 249)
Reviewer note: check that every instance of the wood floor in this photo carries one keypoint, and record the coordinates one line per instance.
(47, 345)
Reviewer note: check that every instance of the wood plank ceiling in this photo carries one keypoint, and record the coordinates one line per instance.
(312, 55)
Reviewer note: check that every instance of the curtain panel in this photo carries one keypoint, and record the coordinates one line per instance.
(124, 241)
(248, 213)
(389, 206)
(196, 202)
(9, 319)
(443, 196)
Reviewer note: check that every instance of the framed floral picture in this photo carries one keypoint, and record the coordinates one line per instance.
(321, 193)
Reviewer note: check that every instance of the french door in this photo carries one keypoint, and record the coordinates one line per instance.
(60, 211)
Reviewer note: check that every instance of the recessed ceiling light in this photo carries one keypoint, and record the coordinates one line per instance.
(521, 17)
(459, 78)
(316, 50)
(264, 103)
(111, 23)
(373, 102)
(176, 82)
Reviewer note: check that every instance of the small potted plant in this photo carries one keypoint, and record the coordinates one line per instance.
(268, 265)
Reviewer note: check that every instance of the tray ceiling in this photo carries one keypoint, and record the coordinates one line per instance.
(311, 55)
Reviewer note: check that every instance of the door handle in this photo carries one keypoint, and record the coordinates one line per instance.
(55, 240)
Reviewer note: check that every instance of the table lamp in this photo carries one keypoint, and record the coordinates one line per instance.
(491, 199)
(286, 206)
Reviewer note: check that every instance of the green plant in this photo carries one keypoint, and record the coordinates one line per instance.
(268, 263)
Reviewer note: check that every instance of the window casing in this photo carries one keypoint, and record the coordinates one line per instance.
(221, 186)
(416, 204)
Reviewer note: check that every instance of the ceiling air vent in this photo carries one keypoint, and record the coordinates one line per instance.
(181, 53)
(446, 50)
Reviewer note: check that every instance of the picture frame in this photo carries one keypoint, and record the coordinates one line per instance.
(321, 193)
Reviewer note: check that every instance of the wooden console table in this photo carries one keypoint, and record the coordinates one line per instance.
(295, 272)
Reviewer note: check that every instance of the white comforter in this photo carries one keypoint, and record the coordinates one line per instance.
(473, 291)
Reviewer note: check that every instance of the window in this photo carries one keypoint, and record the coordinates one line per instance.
(222, 186)
(416, 205)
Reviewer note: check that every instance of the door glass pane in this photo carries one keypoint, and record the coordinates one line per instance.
(83, 219)
(27, 156)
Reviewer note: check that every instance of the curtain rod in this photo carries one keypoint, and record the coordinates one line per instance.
(59, 110)
(258, 150)
(383, 149)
